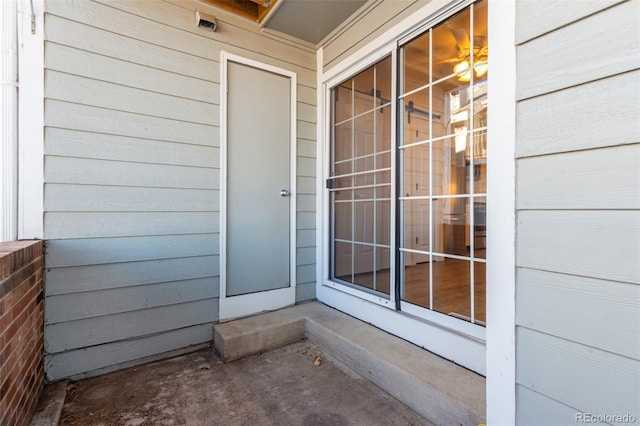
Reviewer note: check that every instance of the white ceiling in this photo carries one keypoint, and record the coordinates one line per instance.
(312, 20)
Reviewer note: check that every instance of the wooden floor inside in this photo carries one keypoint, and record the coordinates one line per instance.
(451, 286)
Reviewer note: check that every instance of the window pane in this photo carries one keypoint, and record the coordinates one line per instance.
(364, 134)
(361, 145)
(449, 166)
(416, 227)
(342, 96)
(364, 91)
(415, 160)
(451, 106)
(342, 261)
(383, 129)
(415, 109)
(383, 222)
(453, 220)
(343, 221)
(451, 44)
(343, 142)
(416, 281)
(480, 45)
(383, 274)
(480, 227)
(363, 221)
(479, 291)
(452, 287)
(383, 81)
(415, 57)
(363, 265)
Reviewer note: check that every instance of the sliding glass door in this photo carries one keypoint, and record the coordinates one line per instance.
(360, 183)
(432, 232)
(442, 158)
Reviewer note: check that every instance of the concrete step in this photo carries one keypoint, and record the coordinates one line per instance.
(439, 390)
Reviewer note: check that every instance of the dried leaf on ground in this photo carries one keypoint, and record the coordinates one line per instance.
(317, 361)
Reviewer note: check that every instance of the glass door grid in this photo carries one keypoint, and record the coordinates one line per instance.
(441, 163)
(360, 184)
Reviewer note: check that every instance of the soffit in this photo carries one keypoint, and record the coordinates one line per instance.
(308, 20)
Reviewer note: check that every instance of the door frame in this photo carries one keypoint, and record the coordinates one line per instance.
(231, 307)
(451, 338)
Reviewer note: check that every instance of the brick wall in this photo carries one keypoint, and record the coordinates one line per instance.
(21, 323)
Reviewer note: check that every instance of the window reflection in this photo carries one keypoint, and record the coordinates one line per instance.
(443, 150)
(361, 189)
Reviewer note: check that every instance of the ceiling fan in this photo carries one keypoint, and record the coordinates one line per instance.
(463, 45)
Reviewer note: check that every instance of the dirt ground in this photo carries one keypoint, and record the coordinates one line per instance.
(294, 385)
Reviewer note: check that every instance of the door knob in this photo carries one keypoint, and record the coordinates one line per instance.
(284, 192)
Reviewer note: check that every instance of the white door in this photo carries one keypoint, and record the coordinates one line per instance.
(258, 235)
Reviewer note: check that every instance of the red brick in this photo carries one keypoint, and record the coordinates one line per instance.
(21, 326)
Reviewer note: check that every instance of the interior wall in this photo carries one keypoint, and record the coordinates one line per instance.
(132, 182)
(578, 212)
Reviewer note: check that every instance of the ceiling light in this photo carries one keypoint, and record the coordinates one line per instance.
(463, 71)
(481, 68)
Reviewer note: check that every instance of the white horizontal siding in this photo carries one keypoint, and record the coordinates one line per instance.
(578, 186)
(132, 181)
(306, 185)
(61, 225)
(306, 238)
(101, 358)
(590, 243)
(596, 313)
(89, 278)
(110, 328)
(598, 114)
(306, 291)
(535, 409)
(602, 45)
(306, 219)
(111, 44)
(121, 71)
(306, 148)
(305, 167)
(543, 16)
(588, 379)
(120, 173)
(88, 118)
(97, 251)
(91, 198)
(100, 146)
(306, 256)
(178, 20)
(75, 306)
(87, 91)
(581, 180)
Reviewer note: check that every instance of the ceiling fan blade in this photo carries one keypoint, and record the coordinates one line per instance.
(462, 38)
(448, 61)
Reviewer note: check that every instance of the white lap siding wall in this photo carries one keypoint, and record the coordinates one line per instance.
(578, 218)
(132, 182)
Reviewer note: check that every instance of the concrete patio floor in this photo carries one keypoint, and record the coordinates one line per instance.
(298, 384)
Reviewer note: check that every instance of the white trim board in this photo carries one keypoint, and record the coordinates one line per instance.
(501, 219)
(253, 303)
(31, 122)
